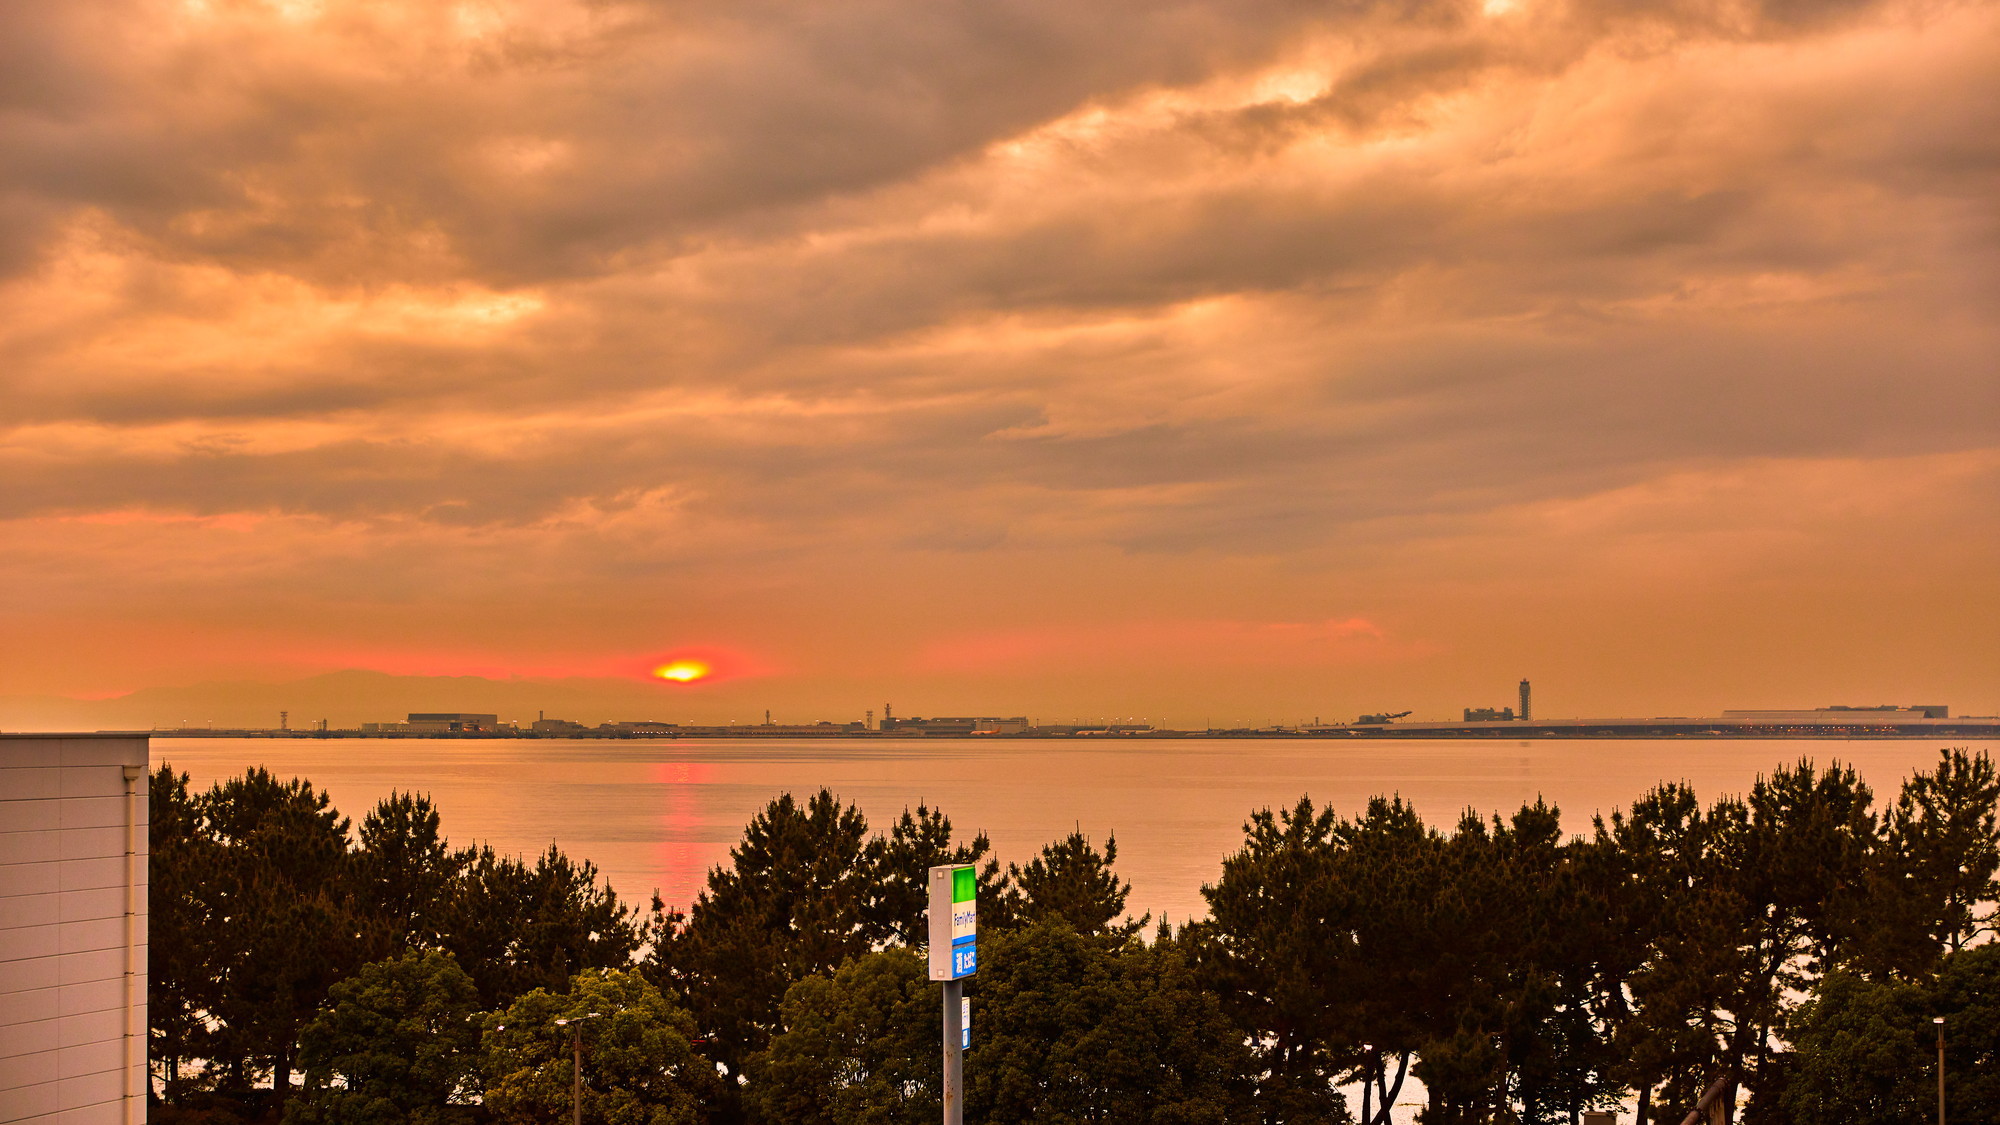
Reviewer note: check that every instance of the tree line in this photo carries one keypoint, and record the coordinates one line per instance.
(1800, 939)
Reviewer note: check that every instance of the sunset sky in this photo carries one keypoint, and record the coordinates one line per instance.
(1193, 360)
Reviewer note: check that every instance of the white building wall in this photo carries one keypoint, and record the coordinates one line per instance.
(73, 929)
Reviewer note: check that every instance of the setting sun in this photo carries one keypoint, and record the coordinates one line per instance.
(682, 671)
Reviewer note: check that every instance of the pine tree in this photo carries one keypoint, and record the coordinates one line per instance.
(795, 900)
(1933, 868)
(514, 928)
(282, 919)
(183, 975)
(899, 866)
(1071, 882)
(1280, 950)
(405, 872)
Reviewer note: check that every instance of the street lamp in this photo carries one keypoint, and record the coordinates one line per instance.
(1939, 1021)
(576, 1069)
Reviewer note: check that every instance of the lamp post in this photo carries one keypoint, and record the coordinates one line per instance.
(1939, 1021)
(576, 1069)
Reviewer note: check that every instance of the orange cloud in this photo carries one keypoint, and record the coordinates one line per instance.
(474, 339)
(1225, 646)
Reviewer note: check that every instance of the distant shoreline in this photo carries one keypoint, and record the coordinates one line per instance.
(1501, 731)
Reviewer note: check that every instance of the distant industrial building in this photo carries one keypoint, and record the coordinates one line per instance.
(946, 725)
(1883, 721)
(73, 821)
(1489, 715)
(647, 728)
(1081, 729)
(447, 721)
(641, 727)
(438, 722)
(557, 726)
(821, 729)
(1843, 716)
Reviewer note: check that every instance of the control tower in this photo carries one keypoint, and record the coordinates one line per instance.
(1526, 713)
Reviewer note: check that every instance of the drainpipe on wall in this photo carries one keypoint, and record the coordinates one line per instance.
(132, 1034)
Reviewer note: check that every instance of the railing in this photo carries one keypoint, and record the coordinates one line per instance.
(1713, 1106)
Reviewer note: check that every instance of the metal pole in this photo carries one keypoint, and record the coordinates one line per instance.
(954, 1055)
(1939, 1021)
(575, 1025)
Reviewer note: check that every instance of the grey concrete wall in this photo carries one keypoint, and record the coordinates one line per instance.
(72, 965)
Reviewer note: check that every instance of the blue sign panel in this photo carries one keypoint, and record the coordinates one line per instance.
(954, 922)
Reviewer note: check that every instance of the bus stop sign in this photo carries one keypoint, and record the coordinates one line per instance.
(954, 922)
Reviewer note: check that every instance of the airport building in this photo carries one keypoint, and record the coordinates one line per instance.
(438, 722)
(73, 880)
(945, 725)
(547, 725)
(1842, 716)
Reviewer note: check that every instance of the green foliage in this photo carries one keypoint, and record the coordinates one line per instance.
(1498, 960)
(515, 928)
(1523, 975)
(280, 917)
(1506, 1001)
(1801, 863)
(1678, 919)
(405, 873)
(1320, 943)
(262, 903)
(899, 865)
(1562, 987)
(1075, 1028)
(858, 1048)
(1798, 863)
(1967, 994)
(397, 1043)
(795, 901)
(640, 1066)
(1067, 1028)
(1934, 866)
(1755, 900)
(183, 974)
(1069, 882)
(1865, 1049)
(1860, 1054)
(1271, 950)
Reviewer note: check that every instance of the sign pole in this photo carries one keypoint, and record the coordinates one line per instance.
(954, 1055)
(954, 955)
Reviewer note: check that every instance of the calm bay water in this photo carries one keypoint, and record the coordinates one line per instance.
(658, 814)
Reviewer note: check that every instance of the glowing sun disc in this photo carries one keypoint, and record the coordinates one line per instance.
(682, 671)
